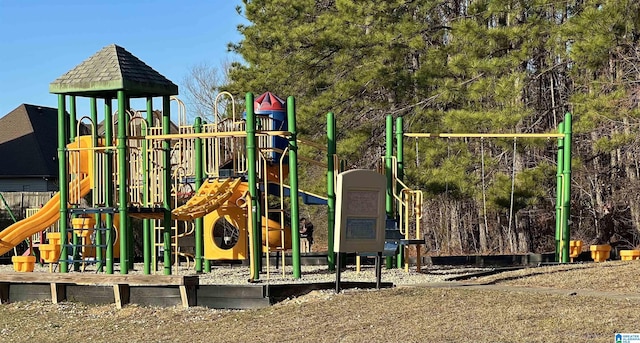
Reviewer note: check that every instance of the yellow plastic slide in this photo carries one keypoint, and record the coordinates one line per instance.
(47, 216)
(210, 196)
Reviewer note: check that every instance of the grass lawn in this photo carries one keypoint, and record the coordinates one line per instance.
(565, 303)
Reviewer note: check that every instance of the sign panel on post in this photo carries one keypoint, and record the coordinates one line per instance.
(360, 211)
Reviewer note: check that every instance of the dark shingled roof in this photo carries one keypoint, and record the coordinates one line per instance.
(111, 69)
(28, 142)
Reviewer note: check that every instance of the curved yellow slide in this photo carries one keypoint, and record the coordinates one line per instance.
(45, 217)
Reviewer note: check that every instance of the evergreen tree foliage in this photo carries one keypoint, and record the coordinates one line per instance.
(466, 66)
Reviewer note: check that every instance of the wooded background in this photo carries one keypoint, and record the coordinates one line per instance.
(466, 66)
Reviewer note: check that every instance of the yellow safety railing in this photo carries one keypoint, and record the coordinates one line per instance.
(408, 204)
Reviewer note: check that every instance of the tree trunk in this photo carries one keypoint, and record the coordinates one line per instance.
(523, 229)
(454, 228)
(500, 234)
(631, 172)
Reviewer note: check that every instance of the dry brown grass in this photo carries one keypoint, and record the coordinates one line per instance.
(613, 276)
(512, 311)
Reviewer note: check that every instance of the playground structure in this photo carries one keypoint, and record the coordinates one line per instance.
(216, 174)
(211, 179)
(217, 199)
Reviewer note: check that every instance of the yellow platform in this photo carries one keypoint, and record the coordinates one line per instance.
(575, 248)
(628, 255)
(83, 226)
(50, 253)
(600, 253)
(23, 263)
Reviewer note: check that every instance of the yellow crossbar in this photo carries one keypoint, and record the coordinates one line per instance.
(483, 135)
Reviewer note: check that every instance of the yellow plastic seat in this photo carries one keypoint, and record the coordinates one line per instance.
(600, 253)
(50, 252)
(575, 248)
(23, 263)
(628, 255)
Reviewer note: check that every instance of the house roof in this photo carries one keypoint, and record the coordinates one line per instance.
(109, 70)
(28, 142)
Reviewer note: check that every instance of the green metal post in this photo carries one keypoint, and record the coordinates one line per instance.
(146, 223)
(130, 242)
(166, 165)
(122, 184)
(63, 180)
(400, 147)
(400, 167)
(93, 110)
(559, 192)
(197, 128)
(566, 174)
(108, 187)
(387, 166)
(251, 171)
(73, 119)
(94, 140)
(331, 195)
(72, 136)
(387, 171)
(293, 184)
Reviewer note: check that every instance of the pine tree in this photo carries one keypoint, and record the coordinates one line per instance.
(465, 66)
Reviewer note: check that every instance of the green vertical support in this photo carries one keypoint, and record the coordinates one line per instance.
(72, 136)
(73, 119)
(331, 194)
(199, 222)
(400, 167)
(566, 189)
(400, 147)
(387, 172)
(251, 171)
(166, 165)
(130, 242)
(293, 184)
(94, 141)
(63, 180)
(108, 187)
(121, 147)
(146, 223)
(559, 192)
(387, 166)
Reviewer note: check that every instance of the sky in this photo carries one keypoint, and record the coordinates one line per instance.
(40, 40)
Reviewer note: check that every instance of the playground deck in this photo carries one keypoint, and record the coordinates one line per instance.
(153, 290)
(95, 287)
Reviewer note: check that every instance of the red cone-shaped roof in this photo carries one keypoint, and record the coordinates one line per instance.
(268, 102)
